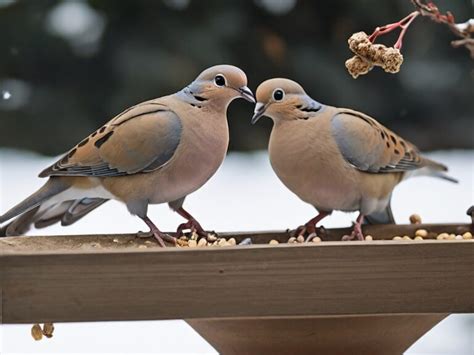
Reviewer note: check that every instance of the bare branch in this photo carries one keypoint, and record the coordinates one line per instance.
(462, 30)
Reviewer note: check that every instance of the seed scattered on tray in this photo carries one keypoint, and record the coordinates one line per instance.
(181, 242)
(211, 238)
(193, 240)
(421, 233)
(415, 219)
(222, 242)
(442, 236)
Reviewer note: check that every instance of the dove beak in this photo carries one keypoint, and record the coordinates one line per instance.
(247, 94)
(259, 111)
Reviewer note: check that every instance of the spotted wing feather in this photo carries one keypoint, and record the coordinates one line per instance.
(141, 139)
(370, 147)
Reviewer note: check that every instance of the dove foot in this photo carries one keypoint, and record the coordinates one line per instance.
(357, 230)
(310, 237)
(159, 235)
(306, 229)
(192, 224)
(309, 229)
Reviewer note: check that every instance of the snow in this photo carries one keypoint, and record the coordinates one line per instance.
(6, 95)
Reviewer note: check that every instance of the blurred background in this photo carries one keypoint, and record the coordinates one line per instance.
(66, 67)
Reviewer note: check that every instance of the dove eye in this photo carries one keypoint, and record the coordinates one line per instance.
(219, 80)
(278, 95)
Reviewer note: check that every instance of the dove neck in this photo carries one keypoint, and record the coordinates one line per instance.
(216, 104)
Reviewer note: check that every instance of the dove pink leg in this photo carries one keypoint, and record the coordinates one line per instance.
(159, 235)
(192, 223)
(357, 231)
(310, 226)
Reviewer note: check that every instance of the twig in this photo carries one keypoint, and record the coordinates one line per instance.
(462, 30)
(403, 24)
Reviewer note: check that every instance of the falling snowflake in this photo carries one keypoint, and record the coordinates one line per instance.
(6, 95)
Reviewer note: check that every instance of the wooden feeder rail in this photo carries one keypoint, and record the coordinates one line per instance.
(331, 298)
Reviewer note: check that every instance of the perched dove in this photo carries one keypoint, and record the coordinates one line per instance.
(155, 152)
(335, 158)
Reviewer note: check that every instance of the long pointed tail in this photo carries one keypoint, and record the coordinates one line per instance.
(41, 210)
(66, 213)
(20, 225)
(430, 168)
(51, 188)
(434, 169)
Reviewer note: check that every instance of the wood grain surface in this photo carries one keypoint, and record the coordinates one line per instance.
(94, 278)
(359, 335)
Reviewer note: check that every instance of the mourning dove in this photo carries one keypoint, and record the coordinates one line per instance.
(336, 158)
(156, 152)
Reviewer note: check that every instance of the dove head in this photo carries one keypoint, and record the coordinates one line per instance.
(283, 99)
(220, 84)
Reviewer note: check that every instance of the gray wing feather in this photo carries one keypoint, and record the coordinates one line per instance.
(370, 147)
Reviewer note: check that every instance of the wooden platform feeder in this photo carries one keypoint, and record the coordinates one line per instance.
(333, 297)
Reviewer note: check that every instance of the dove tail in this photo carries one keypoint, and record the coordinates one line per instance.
(19, 225)
(442, 175)
(432, 168)
(434, 165)
(66, 213)
(27, 210)
(51, 188)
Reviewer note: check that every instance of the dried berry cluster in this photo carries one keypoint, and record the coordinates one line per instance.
(367, 55)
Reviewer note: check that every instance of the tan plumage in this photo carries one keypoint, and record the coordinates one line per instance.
(336, 158)
(150, 128)
(155, 152)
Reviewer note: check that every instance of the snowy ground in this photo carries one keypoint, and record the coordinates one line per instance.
(244, 195)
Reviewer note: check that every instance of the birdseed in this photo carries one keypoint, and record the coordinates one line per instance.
(36, 332)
